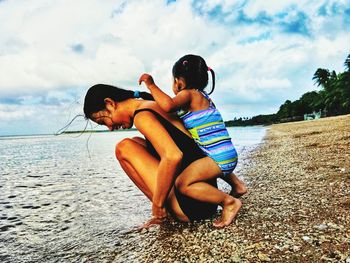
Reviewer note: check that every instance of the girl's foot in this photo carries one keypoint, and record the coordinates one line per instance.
(230, 210)
(239, 188)
(238, 191)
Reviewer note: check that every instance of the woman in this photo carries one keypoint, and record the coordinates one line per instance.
(154, 163)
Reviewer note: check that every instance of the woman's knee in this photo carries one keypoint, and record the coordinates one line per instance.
(139, 140)
(181, 185)
(122, 148)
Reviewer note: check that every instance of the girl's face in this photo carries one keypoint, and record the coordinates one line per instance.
(113, 117)
(178, 85)
(175, 86)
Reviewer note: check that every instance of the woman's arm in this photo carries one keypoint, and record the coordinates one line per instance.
(168, 104)
(170, 158)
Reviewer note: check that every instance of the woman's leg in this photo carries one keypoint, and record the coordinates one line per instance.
(191, 182)
(142, 169)
(122, 152)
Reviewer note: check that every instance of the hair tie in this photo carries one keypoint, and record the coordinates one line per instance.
(209, 69)
(184, 63)
(136, 94)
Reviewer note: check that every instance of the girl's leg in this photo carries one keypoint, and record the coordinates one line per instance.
(239, 188)
(191, 182)
(142, 167)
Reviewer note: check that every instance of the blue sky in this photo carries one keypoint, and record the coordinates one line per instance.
(263, 52)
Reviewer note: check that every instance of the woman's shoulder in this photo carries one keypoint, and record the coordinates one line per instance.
(151, 107)
(150, 115)
(148, 107)
(145, 105)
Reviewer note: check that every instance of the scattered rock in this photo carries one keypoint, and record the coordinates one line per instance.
(321, 227)
(263, 257)
(293, 208)
(306, 239)
(235, 258)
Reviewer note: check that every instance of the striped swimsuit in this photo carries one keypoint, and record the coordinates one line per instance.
(209, 131)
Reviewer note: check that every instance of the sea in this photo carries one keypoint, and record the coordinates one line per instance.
(66, 199)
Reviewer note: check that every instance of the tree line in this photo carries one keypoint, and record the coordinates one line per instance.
(332, 99)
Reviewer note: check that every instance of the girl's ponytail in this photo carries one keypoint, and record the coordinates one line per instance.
(212, 79)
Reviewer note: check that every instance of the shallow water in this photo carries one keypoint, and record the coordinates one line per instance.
(60, 202)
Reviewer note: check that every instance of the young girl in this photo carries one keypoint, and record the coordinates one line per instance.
(199, 115)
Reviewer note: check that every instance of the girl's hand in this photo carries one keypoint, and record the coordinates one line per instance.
(147, 79)
(158, 212)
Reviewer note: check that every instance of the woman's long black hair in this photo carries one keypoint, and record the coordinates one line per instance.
(194, 70)
(95, 96)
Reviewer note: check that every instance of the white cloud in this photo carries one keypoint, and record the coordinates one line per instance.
(11, 113)
(117, 41)
(271, 7)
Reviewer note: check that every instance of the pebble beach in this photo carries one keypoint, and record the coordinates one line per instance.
(297, 208)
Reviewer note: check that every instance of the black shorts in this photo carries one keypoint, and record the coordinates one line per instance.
(193, 209)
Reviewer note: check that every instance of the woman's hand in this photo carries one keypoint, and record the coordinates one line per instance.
(147, 79)
(153, 221)
(159, 212)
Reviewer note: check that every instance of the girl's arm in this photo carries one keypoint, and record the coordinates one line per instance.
(168, 104)
(170, 158)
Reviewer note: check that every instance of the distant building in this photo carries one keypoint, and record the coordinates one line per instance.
(313, 116)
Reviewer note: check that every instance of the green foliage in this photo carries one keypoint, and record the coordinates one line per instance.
(256, 120)
(347, 63)
(332, 99)
(335, 91)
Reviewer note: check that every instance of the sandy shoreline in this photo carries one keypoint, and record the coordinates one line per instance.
(297, 208)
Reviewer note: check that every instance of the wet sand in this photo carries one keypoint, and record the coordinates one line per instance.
(297, 208)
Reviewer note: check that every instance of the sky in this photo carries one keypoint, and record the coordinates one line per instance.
(263, 52)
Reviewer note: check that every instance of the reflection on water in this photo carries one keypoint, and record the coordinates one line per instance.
(57, 204)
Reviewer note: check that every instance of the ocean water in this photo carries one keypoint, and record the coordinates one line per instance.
(63, 201)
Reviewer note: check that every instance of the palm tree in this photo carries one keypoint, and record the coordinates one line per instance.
(344, 81)
(321, 77)
(347, 63)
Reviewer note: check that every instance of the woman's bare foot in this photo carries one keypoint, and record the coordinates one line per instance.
(230, 210)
